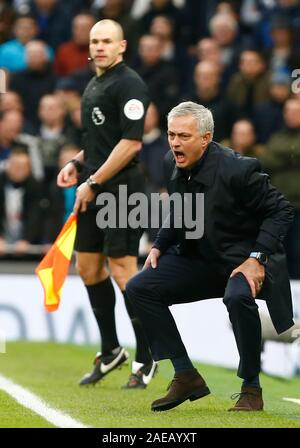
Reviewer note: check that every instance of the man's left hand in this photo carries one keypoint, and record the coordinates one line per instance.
(84, 195)
(254, 273)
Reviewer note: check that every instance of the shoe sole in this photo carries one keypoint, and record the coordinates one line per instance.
(193, 397)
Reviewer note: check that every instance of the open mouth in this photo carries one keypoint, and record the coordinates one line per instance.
(179, 157)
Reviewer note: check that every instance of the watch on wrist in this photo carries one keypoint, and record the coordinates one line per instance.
(78, 165)
(260, 257)
(94, 186)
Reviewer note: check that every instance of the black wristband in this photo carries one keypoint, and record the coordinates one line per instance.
(78, 165)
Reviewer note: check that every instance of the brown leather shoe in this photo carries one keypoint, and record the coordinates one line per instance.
(250, 399)
(187, 385)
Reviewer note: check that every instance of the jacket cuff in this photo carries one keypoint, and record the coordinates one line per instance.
(261, 248)
(162, 246)
(268, 241)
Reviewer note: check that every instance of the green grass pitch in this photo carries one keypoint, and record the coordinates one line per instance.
(52, 372)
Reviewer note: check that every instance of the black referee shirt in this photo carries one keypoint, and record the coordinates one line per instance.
(113, 107)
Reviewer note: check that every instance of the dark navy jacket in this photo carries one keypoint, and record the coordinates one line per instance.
(242, 212)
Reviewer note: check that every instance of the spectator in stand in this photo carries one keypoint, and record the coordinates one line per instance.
(160, 76)
(282, 56)
(207, 91)
(163, 28)
(34, 82)
(73, 55)
(10, 127)
(54, 21)
(231, 7)
(268, 116)
(206, 49)
(81, 78)
(11, 124)
(20, 196)
(224, 28)
(12, 53)
(172, 51)
(7, 16)
(11, 101)
(52, 114)
(243, 139)
(250, 14)
(287, 9)
(66, 90)
(118, 10)
(194, 20)
(250, 86)
(158, 8)
(282, 161)
(61, 200)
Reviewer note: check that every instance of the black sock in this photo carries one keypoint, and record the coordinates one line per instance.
(182, 363)
(102, 298)
(252, 382)
(142, 353)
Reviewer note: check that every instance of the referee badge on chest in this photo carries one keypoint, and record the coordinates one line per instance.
(97, 116)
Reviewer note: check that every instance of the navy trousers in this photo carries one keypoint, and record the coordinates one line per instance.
(180, 279)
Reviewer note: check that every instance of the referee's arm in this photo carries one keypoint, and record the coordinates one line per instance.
(120, 156)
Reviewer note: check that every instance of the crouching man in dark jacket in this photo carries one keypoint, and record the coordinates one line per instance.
(236, 254)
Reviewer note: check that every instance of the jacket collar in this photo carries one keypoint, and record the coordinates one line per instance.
(206, 171)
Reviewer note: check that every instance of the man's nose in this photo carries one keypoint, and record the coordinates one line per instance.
(176, 141)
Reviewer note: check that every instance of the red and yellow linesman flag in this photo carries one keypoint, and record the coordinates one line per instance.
(54, 267)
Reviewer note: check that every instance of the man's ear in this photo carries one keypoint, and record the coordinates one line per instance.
(123, 46)
(206, 139)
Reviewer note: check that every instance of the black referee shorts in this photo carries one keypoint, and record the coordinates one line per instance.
(112, 242)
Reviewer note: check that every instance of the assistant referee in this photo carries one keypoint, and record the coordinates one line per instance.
(113, 112)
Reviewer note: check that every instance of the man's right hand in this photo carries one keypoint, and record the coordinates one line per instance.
(152, 258)
(68, 176)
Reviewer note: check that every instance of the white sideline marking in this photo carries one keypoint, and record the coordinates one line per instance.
(40, 407)
(293, 400)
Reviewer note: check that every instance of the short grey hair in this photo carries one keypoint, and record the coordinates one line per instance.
(202, 115)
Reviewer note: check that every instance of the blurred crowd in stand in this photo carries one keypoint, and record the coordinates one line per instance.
(238, 58)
